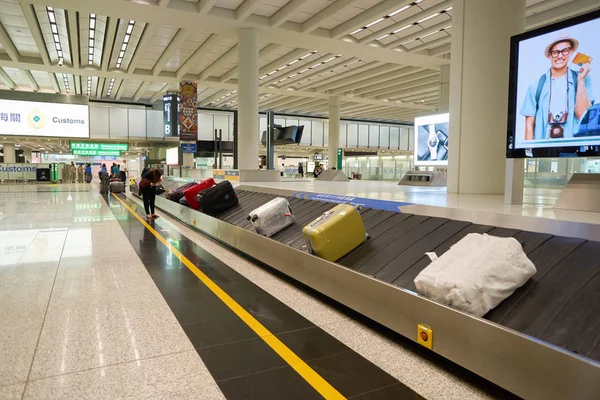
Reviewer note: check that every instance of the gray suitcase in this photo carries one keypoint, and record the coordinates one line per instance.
(117, 187)
(104, 184)
(272, 217)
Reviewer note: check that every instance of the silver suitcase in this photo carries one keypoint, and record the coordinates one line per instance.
(117, 187)
(272, 217)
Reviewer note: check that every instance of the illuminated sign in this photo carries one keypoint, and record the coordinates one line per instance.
(28, 118)
(99, 146)
(92, 152)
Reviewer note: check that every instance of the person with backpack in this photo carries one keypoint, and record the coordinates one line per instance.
(556, 101)
(88, 173)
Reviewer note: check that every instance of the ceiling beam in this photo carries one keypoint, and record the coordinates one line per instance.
(285, 12)
(287, 101)
(429, 93)
(314, 74)
(441, 50)
(245, 9)
(265, 51)
(223, 21)
(7, 80)
(404, 83)
(281, 61)
(560, 13)
(370, 15)
(34, 64)
(417, 35)
(204, 49)
(120, 90)
(434, 43)
(295, 70)
(54, 82)
(406, 21)
(215, 96)
(317, 106)
(141, 91)
(329, 12)
(414, 91)
(158, 95)
(100, 87)
(34, 27)
(204, 6)
(300, 105)
(109, 41)
(31, 80)
(365, 71)
(394, 74)
(229, 55)
(175, 44)
(8, 45)
(73, 37)
(147, 35)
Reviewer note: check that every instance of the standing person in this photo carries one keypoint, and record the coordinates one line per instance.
(301, 169)
(115, 170)
(103, 168)
(282, 169)
(147, 189)
(556, 101)
(88, 172)
(72, 172)
(80, 173)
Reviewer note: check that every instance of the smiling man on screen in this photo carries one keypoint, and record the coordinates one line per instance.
(555, 102)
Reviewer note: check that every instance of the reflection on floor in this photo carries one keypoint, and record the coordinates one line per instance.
(536, 202)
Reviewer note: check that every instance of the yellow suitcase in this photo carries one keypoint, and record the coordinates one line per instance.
(335, 233)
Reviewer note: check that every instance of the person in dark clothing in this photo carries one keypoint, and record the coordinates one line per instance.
(301, 169)
(150, 180)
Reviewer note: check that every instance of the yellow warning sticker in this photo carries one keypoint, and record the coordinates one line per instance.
(425, 336)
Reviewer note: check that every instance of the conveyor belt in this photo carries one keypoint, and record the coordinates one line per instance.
(559, 305)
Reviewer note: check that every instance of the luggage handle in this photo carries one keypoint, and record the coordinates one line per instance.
(252, 218)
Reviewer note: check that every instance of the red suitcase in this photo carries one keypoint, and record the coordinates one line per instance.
(190, 193)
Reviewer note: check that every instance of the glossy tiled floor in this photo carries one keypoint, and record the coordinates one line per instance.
(93, 305)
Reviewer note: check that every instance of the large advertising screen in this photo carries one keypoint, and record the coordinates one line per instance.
(28, 118)
(431, 140)
(554, 88)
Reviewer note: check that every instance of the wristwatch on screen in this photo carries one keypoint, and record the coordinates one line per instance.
(432, 142)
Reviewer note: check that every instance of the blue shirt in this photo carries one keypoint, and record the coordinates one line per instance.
(541, 117)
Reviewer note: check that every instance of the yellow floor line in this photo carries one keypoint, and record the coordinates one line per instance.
(303, 369)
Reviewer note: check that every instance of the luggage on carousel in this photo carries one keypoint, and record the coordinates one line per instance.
(217, 199)
(335, 233)
(191, 192)
(272, 217)
(177, 194)
(117, 187)
(183, 202)
(476, 274)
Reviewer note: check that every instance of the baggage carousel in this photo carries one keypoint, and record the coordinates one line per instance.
(542, 342)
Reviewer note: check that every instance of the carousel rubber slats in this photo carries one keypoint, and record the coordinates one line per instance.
(557, 305)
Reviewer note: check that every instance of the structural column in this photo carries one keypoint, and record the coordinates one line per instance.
(27, 155)
(9, 153)
(481, 32)
(334, 130)
(445, 88)
(248, 122)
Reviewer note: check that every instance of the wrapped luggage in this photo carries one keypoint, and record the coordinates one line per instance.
(177, 194)
(191, 192)
(476, 274)
(217, 199)
(272, 217)
(335, 233)
(117, 187)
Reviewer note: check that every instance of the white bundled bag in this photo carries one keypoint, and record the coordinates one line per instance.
(476, 274)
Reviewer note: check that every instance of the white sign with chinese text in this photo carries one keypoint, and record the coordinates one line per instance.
(28, 118)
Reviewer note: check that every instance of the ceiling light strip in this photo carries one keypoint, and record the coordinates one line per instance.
(125, 43)
(55, 35)
(288, 64)
(92, 40)
(390, 15)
